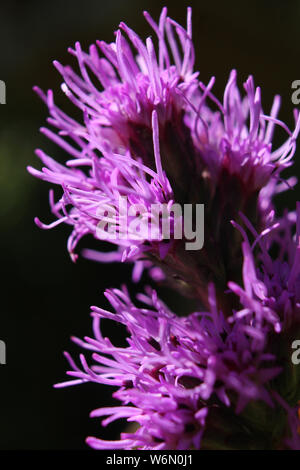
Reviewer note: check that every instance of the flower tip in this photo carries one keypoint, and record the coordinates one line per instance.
(38, 222)
(36, 89)
(73, 256)
(257, 97)
(90, 441)
(39, 153)
(58, 66)
(31, 170)
(122, 25)
(249, 84)
(78, 47)
(100, 43)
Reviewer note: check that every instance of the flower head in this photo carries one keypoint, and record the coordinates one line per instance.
(183, 379)
(153, 135)
(271, 285)
(178, 378)
(153, 132)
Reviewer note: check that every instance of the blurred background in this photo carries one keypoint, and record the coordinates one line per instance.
(44, 296)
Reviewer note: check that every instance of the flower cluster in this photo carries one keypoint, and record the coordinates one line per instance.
(272, 288)
(178, 374)
(153, 133)
(173, 372)
(150, 134)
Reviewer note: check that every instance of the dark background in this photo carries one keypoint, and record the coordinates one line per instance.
(44, 296)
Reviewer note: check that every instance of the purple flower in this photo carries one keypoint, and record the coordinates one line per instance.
(183, 379)
(152, 134)
(272, 286)
(231, 147)
(175, 374)
(149, 132)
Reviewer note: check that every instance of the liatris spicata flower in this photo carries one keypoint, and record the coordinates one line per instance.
(189, 382)
(148, 133)
(153, 135)
(271, 294)
(275, 282)
(204, 381)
